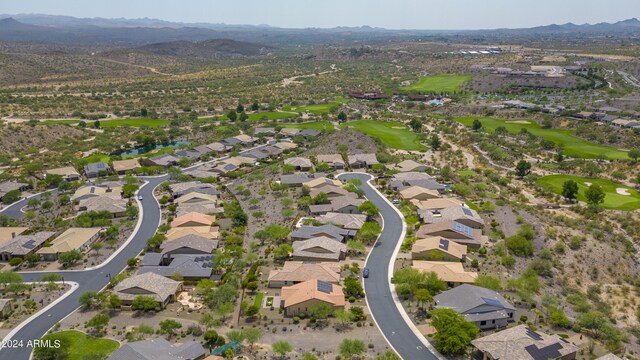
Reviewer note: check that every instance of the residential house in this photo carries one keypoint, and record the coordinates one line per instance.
(333, 160)
(438, 248)
(418, 193)
(90, 191)
(193, 219)
(319, 248)
(218, 147)
(310, 133)
(72, 239)
(202, 150)
(165, 160)
(68, 173)
(224, 168)
(300, 163)
(245, 139)
(5, 308)
(400, 181)
(8, 233)
(272, 151)
(203, 209)
(523, 343)
(331, 192)
(188, 244)
(158, 349)
(122, 166)
(298, 298)
(257, 155)
(409, 166)
(455, 231)
(320, 182)
(481, 306)
(201, 172)
(162, 289)
(231, 142)
(294, 272)
(116, 207)
(344, 203)
(294, 179)
(264, 131)
(461, 214)
(185, 188)
(289, 131)
(307, 232)
(209, 232)
(9, 186)
(437, 204)
(452, 273)
(196, 198)
(191, 267)
(96, 169)
(346, 221)
(358, 161)
(22, 246)
(286, 145)
(190, 154)
(239, 161)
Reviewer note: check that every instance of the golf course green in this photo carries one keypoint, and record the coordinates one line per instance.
(573, 145)
(438, 83)
(613, 199)
(316, 108)
(313, 125)
(392, 134)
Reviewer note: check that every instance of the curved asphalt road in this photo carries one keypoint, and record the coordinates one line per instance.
(95, 279)
(377, 287)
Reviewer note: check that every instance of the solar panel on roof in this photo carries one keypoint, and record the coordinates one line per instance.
(534, 335)
(29, 244)
(461, 228)
(467, 211)
(325, 287)
(444, 244)
(548, 352)
(492, 302)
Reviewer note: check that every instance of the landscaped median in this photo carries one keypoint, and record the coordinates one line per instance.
(617, 196)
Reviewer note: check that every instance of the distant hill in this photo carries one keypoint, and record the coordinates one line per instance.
(625, 26)
(208, 49)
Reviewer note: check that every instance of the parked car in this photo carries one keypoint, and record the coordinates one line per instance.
(139, 197)
(365, 273)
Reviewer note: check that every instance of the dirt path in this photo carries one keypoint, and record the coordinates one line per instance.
(153, 70)
(294, 79)
(468, 156)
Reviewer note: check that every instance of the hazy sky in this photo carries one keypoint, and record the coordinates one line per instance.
(392, 14)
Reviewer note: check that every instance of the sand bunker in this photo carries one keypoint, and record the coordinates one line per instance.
(623, 191)
(523, 122)
(587, 183)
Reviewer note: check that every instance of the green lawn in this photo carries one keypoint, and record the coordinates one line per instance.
(467, 173)
(317, 108)
(313, 125)
(438, 83)
(96, 158)
(573, 145)
(393, 134)
(612, 200)
(82, 346)
(258, 300)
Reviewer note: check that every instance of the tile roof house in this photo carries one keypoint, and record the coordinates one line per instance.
(184, 188)
(452, 273)
(522, 343)
(191, 267)
(333, 160)
(300, 163)
(190, 154)
(116, 207)
(203, 209)
(256, 154)
(201, 172)
(265, 131)
(320, 182)
(294, 179)
(162, 289)
(245, 139)
(89, 191)
(289, 131)
(8, 186)
(461, 214)
(8, 233)
(196, 198)
(331, 192)
(218, 147)
(294, 272)
(286, 145)
(71, 239)
(188, 244)
(453, 230)
(341, 204)
(332, 231)
(310, 133)
(68, 173)
(122, 166)
(239, 161)
(298, 298)
(437, 204)
(418, 193)
(224, 168)
(438, 248)
(409, 166)
(96, 169)
(23, 245)
(193, 219)
(162, 160)
(319, 248)
(358, 161)
(484, 307)
(346, 221)
(209, 232)
(158, 349)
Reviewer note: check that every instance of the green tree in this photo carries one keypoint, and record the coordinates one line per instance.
(355, 247)
(144, 303)
(435, 142)
(342, 116)
(114, 302)
(570, 189)
(320, 310)
(422, 296)
(523, 168)
(353, 287)
(368, 208)
(352, 348)
(98, 322)
(591, 168)
(558, 318)
(344, 317)
(388, 355)
(281, 348)
(477, 125)
(368, 232)
(69, 258)
(132, 262)
(595, 195)
(169, 327)
(453, 332)
(489, 282)
(310, 356)
(415, 125)
(224, 309)
(634, 154)
(89, 299)
(232, 115)
(282, 251)
(251, 336)
(9, 278)
(11, 197)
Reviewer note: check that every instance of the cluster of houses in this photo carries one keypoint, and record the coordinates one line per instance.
(19, 242)
(106, 196)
